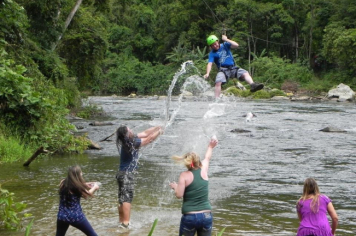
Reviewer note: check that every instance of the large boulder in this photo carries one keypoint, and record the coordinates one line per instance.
(342, 92)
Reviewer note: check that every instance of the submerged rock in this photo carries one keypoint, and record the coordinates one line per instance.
(237, 130)
(94, 145)
(333, 129)
(97, 123)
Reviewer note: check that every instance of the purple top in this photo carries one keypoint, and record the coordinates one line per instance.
(314, 223)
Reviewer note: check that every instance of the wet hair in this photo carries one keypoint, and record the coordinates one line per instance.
(310, 188)
(191, 160)
(74, 183)
(123, 140)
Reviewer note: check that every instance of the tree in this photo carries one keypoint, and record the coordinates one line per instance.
(340, 47)
(67, 22)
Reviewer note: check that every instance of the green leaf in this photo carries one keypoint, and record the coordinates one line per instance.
(153, 227)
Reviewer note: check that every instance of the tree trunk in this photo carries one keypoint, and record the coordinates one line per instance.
(267, 39)
(311, 31)
(106, 139)
(67, 22)
(249, 48)
(296, 43)
(34, 156)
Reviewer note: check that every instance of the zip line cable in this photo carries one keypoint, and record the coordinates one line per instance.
(212, 12)
(248, 35)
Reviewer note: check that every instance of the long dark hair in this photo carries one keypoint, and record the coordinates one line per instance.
(123, 140)
(74, 183)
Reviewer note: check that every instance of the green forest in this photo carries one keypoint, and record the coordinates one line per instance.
(54, 53)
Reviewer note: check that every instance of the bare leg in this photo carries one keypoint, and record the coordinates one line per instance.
(253, 86)
(124, 212)
(217, 89)
(247, 77)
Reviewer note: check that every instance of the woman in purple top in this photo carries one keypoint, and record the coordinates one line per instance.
(312, 208)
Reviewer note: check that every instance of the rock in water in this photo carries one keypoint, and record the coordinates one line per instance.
(240, 131)
(333, 129)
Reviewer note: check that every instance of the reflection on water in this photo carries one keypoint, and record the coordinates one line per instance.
(255, 178)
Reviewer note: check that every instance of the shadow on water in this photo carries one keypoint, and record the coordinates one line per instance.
(255, 178)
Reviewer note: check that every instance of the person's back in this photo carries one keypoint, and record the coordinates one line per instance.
(314, 223)
(71, 190)
(196, 195)
(193, 187)
(312, 209)
(70, 209)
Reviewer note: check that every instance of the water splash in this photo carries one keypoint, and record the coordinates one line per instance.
(182, 71)
(193, 85)
(215, 109)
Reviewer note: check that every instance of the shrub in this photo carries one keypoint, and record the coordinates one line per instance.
(234, 91)
(261, 94)
(90, 111)
(35, 109)
(274, 71)
(12, 150)
(9, 209)
(276, 92)
(237, 92)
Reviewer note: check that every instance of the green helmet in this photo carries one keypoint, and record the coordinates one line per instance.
(211, 39)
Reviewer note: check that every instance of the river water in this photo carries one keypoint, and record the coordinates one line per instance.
(255, 177)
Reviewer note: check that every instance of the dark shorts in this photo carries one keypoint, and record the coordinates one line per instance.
(224, 75)
(125, 181)
(200, 223)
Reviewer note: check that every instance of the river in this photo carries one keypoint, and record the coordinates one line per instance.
(255, 177)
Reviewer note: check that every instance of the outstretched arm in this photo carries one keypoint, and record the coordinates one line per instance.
(212, 144)
(208, 69)
(233, 43)
(147, 132)
(153, 133)
(93, 187)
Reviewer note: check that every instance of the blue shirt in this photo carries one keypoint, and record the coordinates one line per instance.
(69, 208)
(222, 57)
(128, 160)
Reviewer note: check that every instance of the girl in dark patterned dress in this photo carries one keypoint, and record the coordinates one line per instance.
(71, 190)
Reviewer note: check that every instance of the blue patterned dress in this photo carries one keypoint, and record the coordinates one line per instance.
(70, 209)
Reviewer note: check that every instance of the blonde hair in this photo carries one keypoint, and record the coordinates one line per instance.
(310, 188)
(191, 160)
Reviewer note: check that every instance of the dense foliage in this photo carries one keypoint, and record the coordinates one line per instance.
(52, 50)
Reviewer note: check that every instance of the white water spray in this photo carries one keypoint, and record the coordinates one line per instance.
(193, 84)
(182, 71)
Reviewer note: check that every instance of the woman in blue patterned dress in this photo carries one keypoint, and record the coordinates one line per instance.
(71, 190)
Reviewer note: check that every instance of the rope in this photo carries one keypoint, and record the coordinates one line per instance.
(212, 12)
